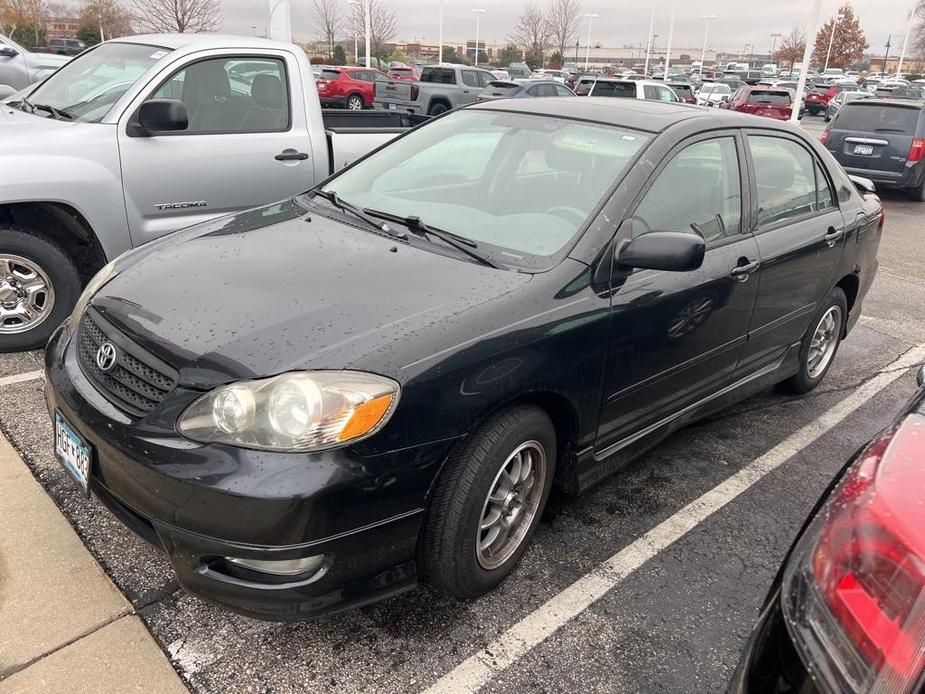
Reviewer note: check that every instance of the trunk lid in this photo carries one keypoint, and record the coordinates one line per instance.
(875, 136)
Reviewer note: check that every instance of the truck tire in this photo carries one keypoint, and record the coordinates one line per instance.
(39, 285)
(437, 108)
(820, 343)
(486, 505)
(355, 102)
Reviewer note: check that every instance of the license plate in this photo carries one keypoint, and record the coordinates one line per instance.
(392, 107)
(73, 453)
(865, 150)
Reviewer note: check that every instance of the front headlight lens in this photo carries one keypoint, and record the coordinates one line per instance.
(105, 274)
(297, 411)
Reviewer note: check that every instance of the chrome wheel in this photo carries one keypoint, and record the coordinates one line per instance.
(355, 103)
(26, 294)
(825, 340)
(511, 505)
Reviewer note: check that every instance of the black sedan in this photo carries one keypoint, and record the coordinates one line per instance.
(847, 610)
(318, 403)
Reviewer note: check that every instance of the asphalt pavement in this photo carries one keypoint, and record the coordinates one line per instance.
(650, 582)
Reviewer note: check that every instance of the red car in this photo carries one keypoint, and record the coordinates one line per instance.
(819, 98)
(345, 87)
(770, 102)
(405, 72)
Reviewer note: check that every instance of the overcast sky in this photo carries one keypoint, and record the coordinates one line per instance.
(620, 22)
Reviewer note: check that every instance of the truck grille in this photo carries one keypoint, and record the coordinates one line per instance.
(137, 382)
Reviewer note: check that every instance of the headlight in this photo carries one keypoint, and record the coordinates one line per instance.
(99, 279)
(297, 411)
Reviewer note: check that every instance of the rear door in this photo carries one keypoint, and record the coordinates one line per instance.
(874, 136)
(247, 143)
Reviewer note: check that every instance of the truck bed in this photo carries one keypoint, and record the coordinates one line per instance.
(352, 134)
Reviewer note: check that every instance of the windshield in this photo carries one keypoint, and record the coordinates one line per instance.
(715, 88)
(522, 185)
(86, 87)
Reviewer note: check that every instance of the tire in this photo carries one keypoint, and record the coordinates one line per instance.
(355, 102)
(808, 377)
(918, 194)
(827, 117)
(448, 552)
(21, 249)
(437, 108)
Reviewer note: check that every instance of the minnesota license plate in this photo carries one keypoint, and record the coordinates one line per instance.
(865, 150)
(73, 453)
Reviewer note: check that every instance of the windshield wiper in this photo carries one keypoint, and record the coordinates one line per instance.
(335, 200)
(56, 113)
(460, 243)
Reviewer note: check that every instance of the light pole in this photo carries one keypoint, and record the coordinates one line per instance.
(811, 24)
(706, 28)
(368, 21)
(902, 53)
(276, 6)
(645, 70)
(774, 38)
(588, 49)
(440, 35)
(478, 17)
(828, 53)
(674, 9)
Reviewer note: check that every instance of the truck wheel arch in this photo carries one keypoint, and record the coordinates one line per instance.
(438, 101)
(63, 225)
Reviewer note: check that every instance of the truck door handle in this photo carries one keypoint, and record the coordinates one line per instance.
(833, 236)
(290, 155)
(744, 269)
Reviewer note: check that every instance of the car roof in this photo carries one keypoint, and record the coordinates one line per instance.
(178, 41)
(903, 103)
(635, 114)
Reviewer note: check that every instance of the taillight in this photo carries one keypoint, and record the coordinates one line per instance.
(415, 90)
(916, 150)
(321, 84)
(854, 588)
(824, 138)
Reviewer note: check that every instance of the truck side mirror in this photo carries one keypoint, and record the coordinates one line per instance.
(8, 52)
(163, 115)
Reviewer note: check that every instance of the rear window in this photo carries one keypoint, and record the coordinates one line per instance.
(618, 89)
(330, 74)
(764, 96)
(874, 118)
(439, 75)
(401, 69)
(683, 90)
(499, 87)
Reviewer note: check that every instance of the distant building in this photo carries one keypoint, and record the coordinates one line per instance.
(61, 27)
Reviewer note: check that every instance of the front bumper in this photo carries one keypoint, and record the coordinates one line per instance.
(204, 503)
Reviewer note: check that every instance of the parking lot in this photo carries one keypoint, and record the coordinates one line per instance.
(650, 582)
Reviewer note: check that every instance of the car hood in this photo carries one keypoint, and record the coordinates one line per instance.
(281, 288)
(21, 131)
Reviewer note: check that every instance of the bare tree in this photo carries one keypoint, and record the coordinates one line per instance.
(383, 25)
(181, 16)
(791, 48)
(563, 18)
(532, 33)
(330, 21)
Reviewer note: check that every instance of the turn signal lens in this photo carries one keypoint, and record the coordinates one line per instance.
(917, 150)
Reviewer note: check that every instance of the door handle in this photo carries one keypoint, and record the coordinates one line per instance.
(290, 155)
(833, 236)
(743, 270)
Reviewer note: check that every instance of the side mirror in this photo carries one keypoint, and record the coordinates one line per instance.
(673, 251)
(6, 91)
(8, 52)
(163, 115)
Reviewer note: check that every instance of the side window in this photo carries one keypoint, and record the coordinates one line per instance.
(785, 177)
(470, 78)
(699, 191)
(650, 92)
(562, 90)
(228, 95)
(825, 196)
(665, 94)
(485, 78)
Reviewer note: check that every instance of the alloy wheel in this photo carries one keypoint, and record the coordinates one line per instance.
(26, 294)
(824, 341)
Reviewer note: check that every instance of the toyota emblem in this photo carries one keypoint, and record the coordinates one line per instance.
(106, 356)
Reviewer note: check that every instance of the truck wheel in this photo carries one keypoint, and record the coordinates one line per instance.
(39, 285)
(486, 506)
(820, 343)
(437, 108)
(355, 102)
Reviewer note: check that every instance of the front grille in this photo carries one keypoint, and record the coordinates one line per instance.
(137, 382)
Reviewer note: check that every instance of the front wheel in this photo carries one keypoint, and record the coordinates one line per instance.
(39, 285)
(486, 506)
(355, 102)
(820, 343)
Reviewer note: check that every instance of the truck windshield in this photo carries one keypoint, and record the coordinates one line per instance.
(521, 186)
(86, 87)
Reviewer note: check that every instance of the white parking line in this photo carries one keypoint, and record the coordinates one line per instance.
(476, 671)
(20, 378)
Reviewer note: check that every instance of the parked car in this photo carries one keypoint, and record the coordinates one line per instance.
(557, 75)
(523, 89)
(769, 102)
(19, 68)
(818, 98)
(713, 93)
(632, 89)
(502, 75)
(844, 612)
(350, 88)
(840, 100)
(584, 83)
(441, 88)
(883, 140)
(64, 46)
(404, 72)
(140, 136)
(518, 71)
(684, 91)
(299, 442)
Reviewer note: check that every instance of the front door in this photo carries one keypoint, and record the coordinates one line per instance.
(800, 233)
(675, 337)
(233, 155)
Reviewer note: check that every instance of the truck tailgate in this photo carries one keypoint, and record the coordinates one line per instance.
(346, 147)
(398, 92)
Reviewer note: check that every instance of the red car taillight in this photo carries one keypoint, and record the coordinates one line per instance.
(853, 591)
(916, 150)
(824, 138)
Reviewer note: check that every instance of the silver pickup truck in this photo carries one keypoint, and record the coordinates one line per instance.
(20, 67)
(440, 88)
(141, 136)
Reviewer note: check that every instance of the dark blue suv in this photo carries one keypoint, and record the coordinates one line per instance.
(883, 140)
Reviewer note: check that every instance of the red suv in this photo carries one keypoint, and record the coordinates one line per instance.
(770, 102)
(819, 97)
(347, 87)
(408, 73)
